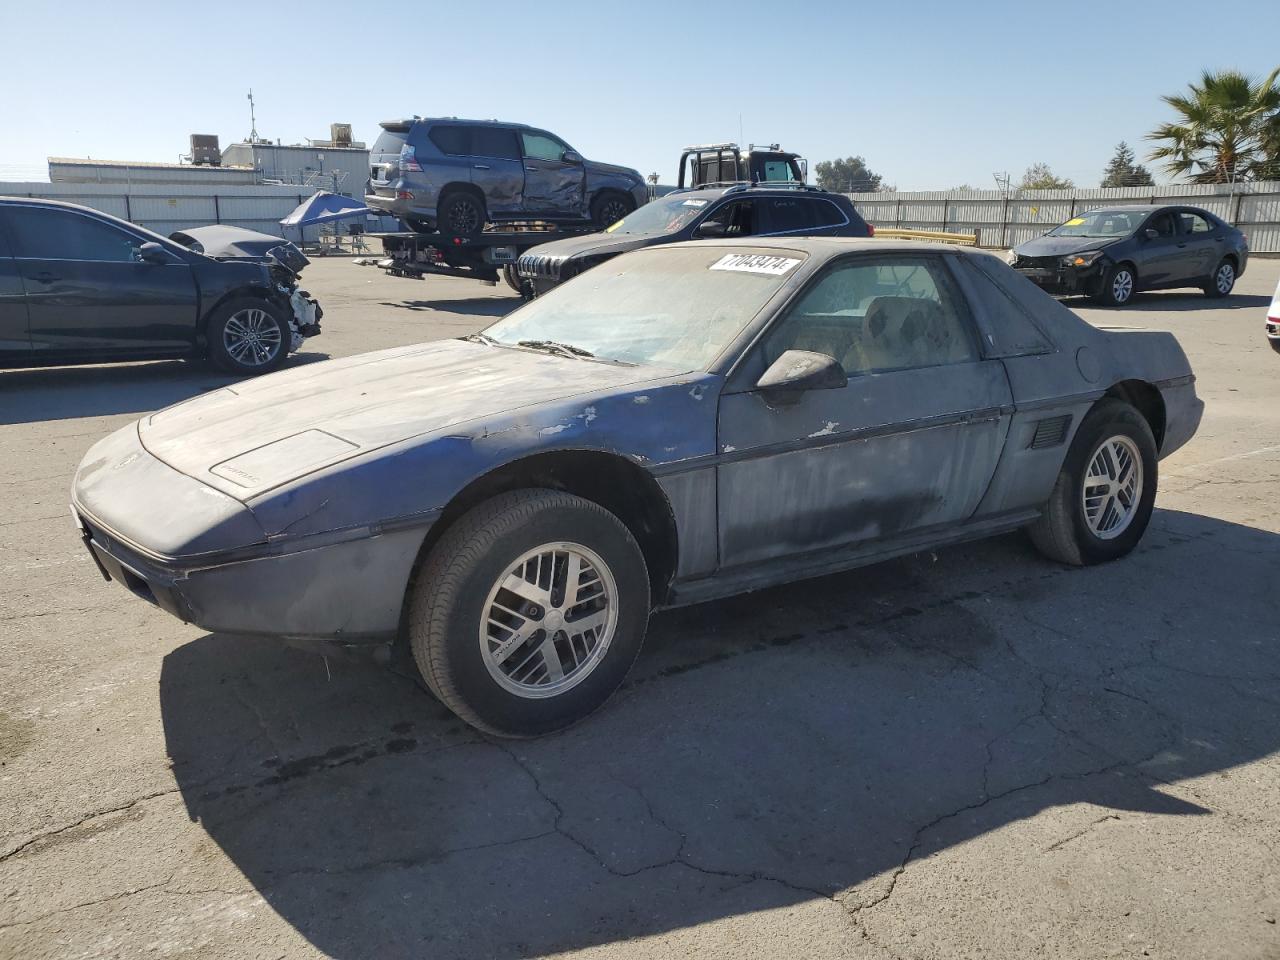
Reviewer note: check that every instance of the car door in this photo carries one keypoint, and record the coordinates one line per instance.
(910, 443)
(1161, 259)
(497, 168)
(88, 290)
(555, 177)
(1205, 243)
(15, 335)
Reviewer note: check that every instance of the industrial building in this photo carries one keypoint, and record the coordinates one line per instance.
(253, 184)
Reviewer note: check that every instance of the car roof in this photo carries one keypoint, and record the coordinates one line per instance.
(832, 246)
(1141, 208)
(749, 189)
(410, 121)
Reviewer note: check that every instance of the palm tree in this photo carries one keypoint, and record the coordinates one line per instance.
(1228, 129)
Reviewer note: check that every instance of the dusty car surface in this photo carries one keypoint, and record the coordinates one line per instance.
(1112, 253)
(683, 423)
(79, 286)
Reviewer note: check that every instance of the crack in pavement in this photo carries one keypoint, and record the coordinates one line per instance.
(1058, 844)
(47, 834)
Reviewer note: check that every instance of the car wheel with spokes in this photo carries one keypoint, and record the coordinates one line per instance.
(529, 611)
(1118, 286)
(461, 214)
(1223, 280)
(608, 208)
(1102, 500)
(248, 336)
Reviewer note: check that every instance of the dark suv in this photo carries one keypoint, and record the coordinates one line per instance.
(456, 175)
(739, 210)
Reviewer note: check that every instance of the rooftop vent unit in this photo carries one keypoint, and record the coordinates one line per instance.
(340, 134)
(205, 151)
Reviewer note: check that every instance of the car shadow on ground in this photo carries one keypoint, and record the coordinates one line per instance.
(802, 742)
(471, 306)
(59, 393)
(1180, 301)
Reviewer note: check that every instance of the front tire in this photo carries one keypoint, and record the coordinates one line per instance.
(248, 336)
(608, 208)
(1102, 501)
(529, 612)
(1223, 280)
(1118, 286)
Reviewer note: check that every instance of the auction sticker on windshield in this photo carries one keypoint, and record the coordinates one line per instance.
(755, 263)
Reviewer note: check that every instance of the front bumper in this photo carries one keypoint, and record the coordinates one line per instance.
(204, 558)
(1064, 281)
(1273, 334)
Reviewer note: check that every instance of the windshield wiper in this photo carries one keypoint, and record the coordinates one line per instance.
(555, 346)
(480, 338)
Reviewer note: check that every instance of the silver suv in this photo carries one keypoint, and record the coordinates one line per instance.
(457, 175)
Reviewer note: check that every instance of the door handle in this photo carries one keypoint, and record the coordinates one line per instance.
(531, 169)
(480, 166)
(45, 277)
(1181, 246)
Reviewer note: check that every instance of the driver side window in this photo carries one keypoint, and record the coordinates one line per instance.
(889, 314)
(1162, 224)
(45, 234)
(541, 147)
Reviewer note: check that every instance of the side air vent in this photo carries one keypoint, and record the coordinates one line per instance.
(1051, 432)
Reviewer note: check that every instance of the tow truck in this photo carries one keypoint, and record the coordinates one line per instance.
(714, 163)
(488, 257)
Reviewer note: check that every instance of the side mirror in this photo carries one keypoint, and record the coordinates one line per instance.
(571, 156)
(798, 371)
(152, 252)
(804, 170)
(1151, 234)
(709, 228)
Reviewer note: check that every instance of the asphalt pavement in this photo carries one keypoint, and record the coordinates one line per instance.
(968, 753)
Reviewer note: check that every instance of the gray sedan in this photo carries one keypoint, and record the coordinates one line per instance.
(684, 423)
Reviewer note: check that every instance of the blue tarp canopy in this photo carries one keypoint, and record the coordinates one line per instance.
(324, 207)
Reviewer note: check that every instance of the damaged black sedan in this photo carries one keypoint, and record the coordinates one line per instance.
(1112, 253)
(79, 286)
(680, 424)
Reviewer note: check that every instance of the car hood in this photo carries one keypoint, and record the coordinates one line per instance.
(1047, 246)
(595, 244)
(595, 166)
(250, 437)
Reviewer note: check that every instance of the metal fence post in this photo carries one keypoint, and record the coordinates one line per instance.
(946, 207)
(217, 210)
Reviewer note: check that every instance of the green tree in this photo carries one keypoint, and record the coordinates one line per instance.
(850, 175)
(1123, 171)
(1039, 177)
(1227, 128)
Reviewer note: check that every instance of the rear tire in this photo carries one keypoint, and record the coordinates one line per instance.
(248, 336)
(510, 663)
(461, 214)
(1223, 280)
(1118, 286)
(1092, 515)
(608, 208)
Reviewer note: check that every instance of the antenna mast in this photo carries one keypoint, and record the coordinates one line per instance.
(253, 121)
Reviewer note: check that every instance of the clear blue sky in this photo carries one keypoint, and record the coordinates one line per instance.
(933, 94)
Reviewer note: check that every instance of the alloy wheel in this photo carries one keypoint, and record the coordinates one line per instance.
(464, 218)
(1112, 487)
(251, 337)
(549, 620)
(612, 211)
(1225, 278)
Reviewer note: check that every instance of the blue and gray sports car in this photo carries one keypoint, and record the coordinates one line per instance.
(682, 423)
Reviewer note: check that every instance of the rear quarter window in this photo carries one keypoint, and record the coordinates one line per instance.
(453, 141)
(1000, 299)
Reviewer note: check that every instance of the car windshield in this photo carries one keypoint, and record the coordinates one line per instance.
(1102, 223)
(674, 307)
(662, 216)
